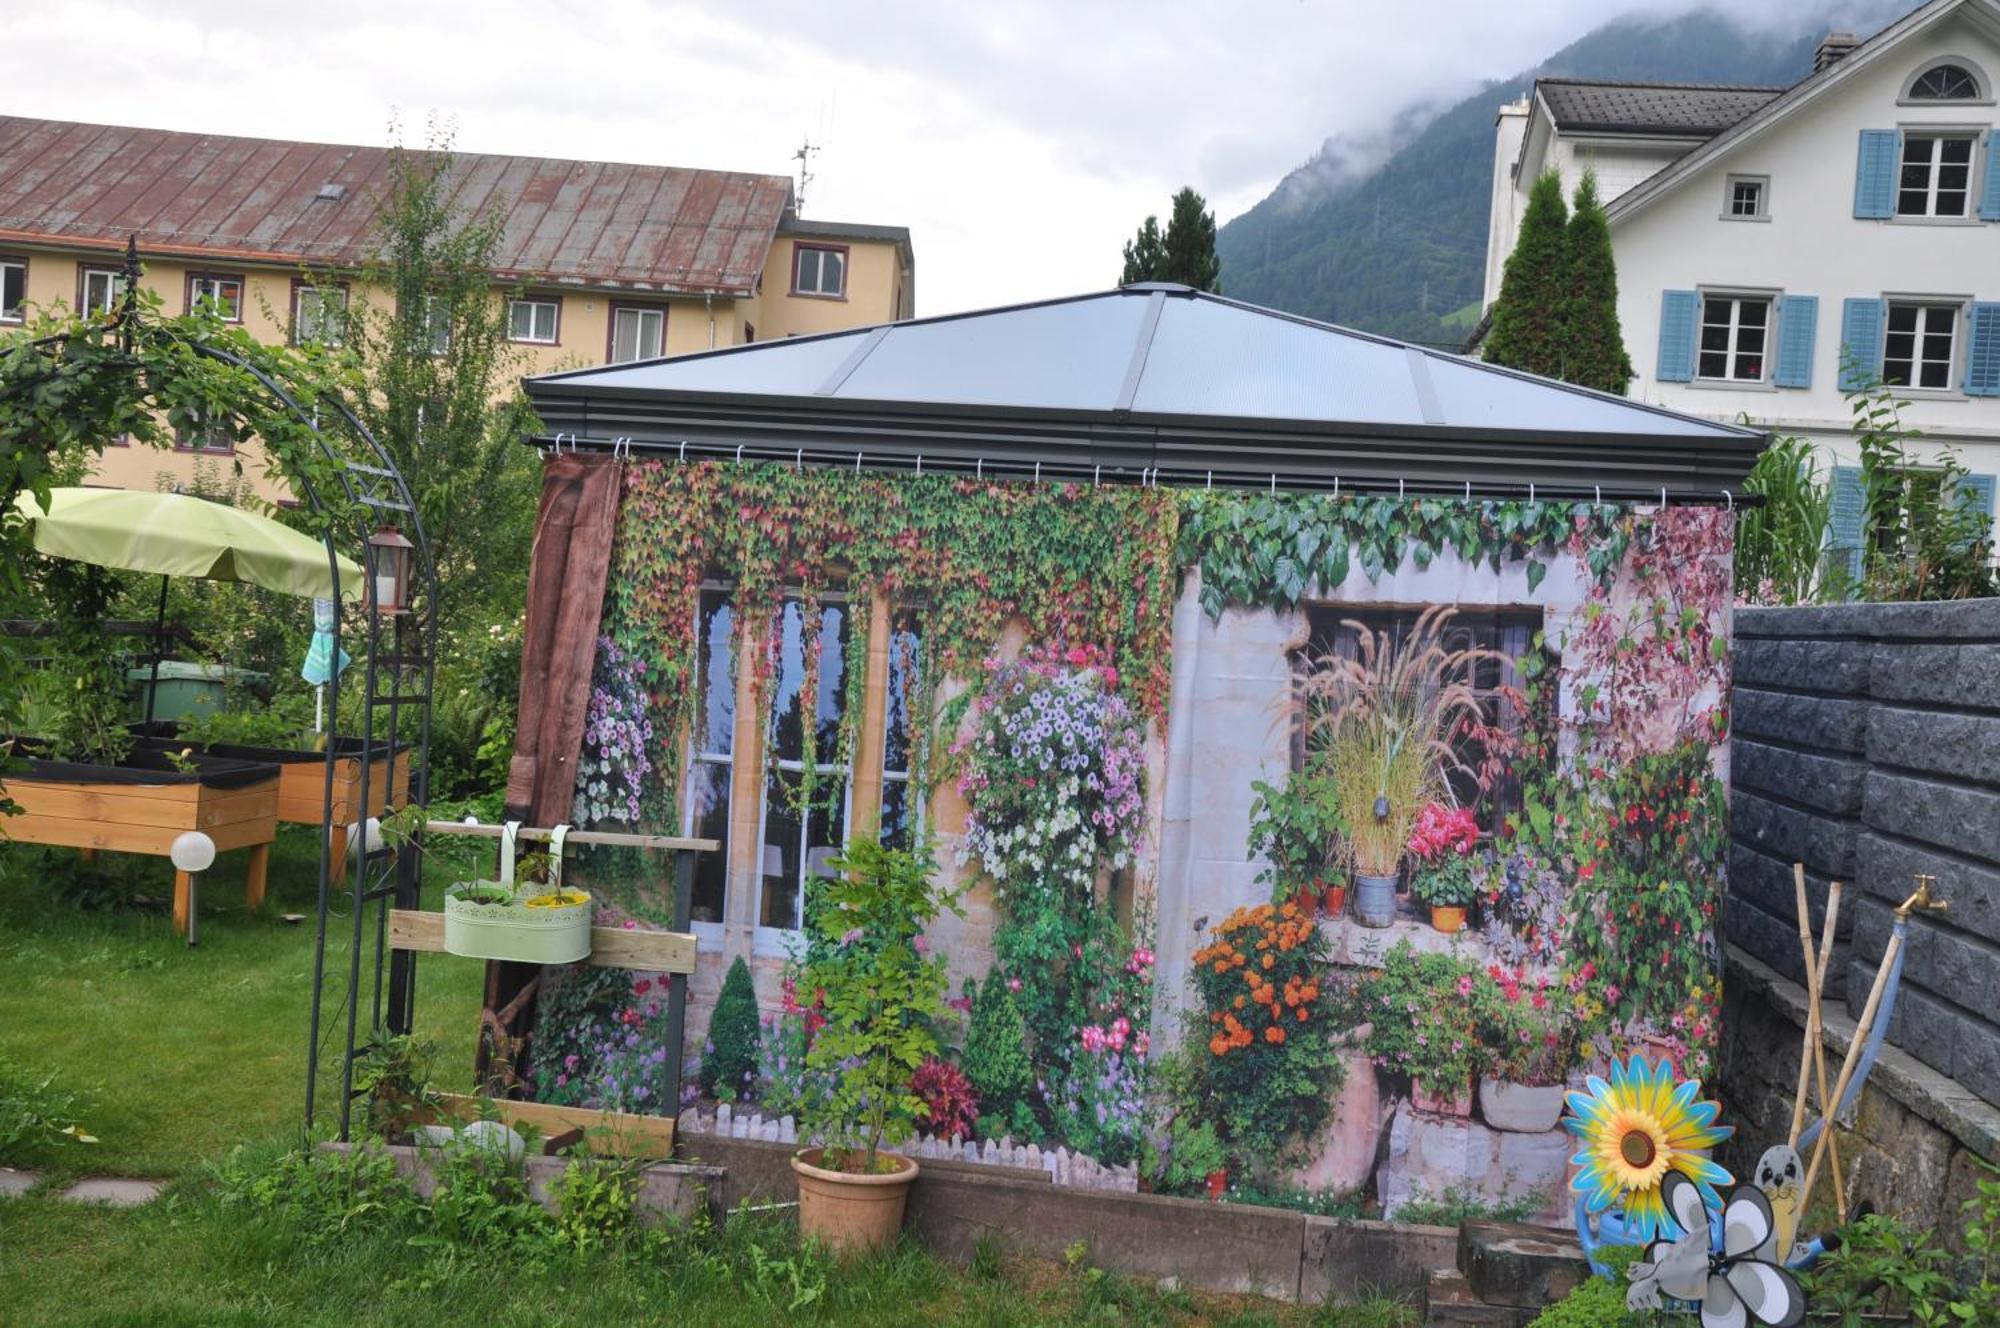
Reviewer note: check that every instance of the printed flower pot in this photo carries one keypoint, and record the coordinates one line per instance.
(1521, 1108)
(1447, 918)
(1458, 1104)
(851, 1213)
(1374, 900)
(494, 920)
(1333, 900)
(1218, 1183)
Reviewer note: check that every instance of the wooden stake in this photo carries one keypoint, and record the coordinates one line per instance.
(1819, 1049)
(1812, 1005)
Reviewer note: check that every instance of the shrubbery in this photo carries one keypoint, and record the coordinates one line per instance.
(729, 1068)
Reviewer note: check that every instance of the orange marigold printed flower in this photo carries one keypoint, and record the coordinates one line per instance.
(1269, 960)
(1303, 1012)
(1239, 1002)
(1274, 1034)
(1222, 965)
(1218, 1045)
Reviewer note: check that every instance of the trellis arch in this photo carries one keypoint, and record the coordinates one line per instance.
(134, 375)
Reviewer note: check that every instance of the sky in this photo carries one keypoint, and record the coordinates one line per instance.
(1021, 142)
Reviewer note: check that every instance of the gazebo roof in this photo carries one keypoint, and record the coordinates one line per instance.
(1150, 377)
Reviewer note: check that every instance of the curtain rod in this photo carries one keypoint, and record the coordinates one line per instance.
(1151, 477)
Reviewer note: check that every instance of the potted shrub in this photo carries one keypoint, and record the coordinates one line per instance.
(536, 920)
(1380, 725)
(881, 994)
(1530, 1037)
(1296, 830)
(1440, 848)
(1422, 1024)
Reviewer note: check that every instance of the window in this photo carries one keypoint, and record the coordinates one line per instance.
(1733, 332)
(799, 839)
(205, 435)
(1946, 82)
(1507, 632)
(319, 315)
(900, 810)
(98, 289)
(1747, 195)
(1918, 349)
(437, 317)
(223, 294)
(532, 321)
(13, 290)
(636, 333)
(1936, 178)
(712, 748)
(819, 270)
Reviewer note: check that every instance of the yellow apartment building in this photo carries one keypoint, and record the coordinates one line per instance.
(598, 262)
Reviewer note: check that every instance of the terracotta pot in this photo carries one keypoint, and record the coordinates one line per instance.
(1333, 900)
(1218, 1183)
(1521, 1108)
(1447, 918)
(1458, 1104)
(850, 1213)
(1374, 900)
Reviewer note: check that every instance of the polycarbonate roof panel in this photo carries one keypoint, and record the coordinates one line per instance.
(1202, 358)
(1065, 356)
(1209, 358)
(792, 368)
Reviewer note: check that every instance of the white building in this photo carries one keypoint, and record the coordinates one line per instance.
(1766, 237)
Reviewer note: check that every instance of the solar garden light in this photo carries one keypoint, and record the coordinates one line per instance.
(193, 853)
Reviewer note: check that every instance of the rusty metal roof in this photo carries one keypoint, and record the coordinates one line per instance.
(220, 198)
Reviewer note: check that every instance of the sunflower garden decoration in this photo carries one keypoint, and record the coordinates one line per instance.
(1635, 1130)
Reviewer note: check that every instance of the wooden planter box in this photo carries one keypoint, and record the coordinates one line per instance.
(144, 804)
(302, 783)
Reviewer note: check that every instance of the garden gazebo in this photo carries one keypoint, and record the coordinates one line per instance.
(804, 561)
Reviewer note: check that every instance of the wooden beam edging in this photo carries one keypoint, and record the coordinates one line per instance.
(607, 1133)
(618, 839)
(641, 950)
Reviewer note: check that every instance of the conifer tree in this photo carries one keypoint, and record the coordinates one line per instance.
(1528, 318)
(1184, 252)
(1593, 345)
(731, 1059)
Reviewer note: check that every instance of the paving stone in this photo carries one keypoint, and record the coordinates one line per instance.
(14, 1183)
(114, 1191)
(1510, 1263)
(1450, 1303)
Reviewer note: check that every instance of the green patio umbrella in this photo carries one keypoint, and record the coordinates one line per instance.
(176, 534)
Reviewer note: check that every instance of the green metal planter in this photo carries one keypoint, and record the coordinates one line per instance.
(499, 920)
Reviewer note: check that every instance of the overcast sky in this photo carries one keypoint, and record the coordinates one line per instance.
(1021, 141)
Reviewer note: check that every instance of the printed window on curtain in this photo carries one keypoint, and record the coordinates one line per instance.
(902, 810)
(712, 749)
(1508, 632)
(798, 840)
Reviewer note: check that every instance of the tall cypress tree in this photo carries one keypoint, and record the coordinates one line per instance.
(1594, 347)
(1145, 254)
(1528, 318)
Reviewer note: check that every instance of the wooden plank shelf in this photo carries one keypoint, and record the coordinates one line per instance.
(481, 830)
(610, 947)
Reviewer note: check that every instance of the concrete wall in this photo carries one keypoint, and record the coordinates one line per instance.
(1868, 747)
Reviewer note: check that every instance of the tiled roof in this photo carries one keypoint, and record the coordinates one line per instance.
(594, 223)
(1678, 110)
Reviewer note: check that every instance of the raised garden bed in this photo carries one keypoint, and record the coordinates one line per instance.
(302, 782)
(144, 803)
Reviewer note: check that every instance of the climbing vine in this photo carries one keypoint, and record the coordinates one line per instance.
(1269, 550)
(1073, 564)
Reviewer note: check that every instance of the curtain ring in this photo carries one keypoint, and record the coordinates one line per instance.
(1663, 497)
(1729, 496)
(1399, 489)
(684, 451)
(739, 454)
(979, 468)
(1598, 489)
(1468, 491)
(1531, 491)
(857, 462)
(1211, 479)
(1038, 472)
(1274, 484)
(799, 461)
(1336, 486)
(920, 464)
(1096, 473)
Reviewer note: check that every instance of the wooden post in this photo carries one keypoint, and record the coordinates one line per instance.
(183, 888)
(255, 875)
(677, 983)
(1812, 1056)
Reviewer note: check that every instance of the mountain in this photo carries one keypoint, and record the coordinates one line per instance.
(1400, 248)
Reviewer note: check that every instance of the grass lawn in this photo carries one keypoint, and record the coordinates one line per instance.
(183, 1052)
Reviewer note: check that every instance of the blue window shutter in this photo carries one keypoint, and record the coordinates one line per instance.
(1989, 197)
(1678, 310)
(1875, 174)
(1846, 523)
(1976, 492)
(1798, 327)
(1982, 356)
(1860, 343)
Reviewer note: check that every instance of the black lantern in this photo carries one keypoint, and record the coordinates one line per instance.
(389, 570)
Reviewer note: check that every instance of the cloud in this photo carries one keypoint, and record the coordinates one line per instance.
(1021, 142)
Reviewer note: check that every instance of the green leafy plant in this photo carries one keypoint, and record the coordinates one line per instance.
(392, 1084)
(1194, 1153)
(1459, 1205)
(37, 1118)
(882, 992)
(729, 1065)
(1921, 539)
(996, 1056)
(1781, 542)
(1296, 831)
(1421, 1018)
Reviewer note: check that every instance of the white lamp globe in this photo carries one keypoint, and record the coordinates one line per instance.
(193, 852)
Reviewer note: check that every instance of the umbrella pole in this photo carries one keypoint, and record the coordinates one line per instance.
(159, 650)
(319, 708)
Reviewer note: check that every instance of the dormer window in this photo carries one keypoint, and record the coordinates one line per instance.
(1945, 82)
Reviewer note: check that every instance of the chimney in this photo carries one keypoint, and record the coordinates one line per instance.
(1834, 46)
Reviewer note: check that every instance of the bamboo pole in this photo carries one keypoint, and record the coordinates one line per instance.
(1819, 1048)
(1812, 1005)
